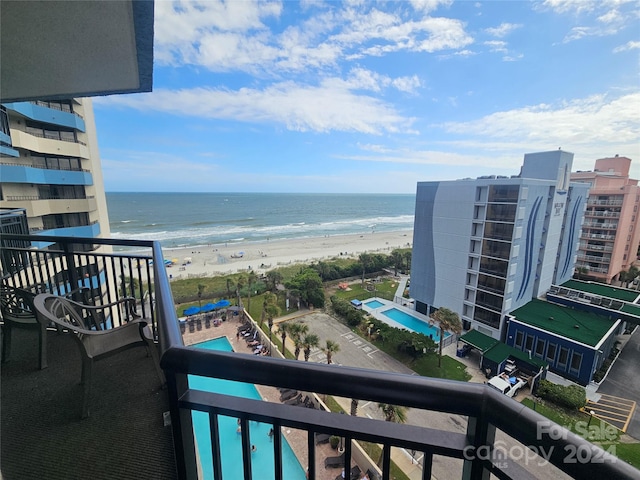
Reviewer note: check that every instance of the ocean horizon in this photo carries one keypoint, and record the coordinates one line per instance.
(181, 220)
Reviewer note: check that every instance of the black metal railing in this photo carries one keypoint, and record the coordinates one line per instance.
(490, 415)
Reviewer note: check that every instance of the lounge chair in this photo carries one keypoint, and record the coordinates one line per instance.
(94, 344)
(372, 475)
(322, 438)
(294, 400)
(334, 462)
(287, 395)
(355, 472)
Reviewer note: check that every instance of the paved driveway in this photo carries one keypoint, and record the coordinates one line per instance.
(622, 380)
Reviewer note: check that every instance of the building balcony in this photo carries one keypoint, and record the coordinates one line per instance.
(614, 203)
(37, 142)
(597, 248)
(604, 226)
(599, 214)
(593, 258)
(127, 435)
(597, 236)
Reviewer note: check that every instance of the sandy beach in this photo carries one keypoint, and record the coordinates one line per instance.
(263, 256)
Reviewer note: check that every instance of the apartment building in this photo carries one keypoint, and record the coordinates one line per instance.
(484, 247)
(50, 166)
(609, 240)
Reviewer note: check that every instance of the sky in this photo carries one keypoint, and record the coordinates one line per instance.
(372, 97)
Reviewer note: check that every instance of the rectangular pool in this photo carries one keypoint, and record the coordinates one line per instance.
(373, 304)
(412, 323)
(230, 439)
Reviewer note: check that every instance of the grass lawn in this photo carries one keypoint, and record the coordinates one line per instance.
(385, 289)
(599, 432)
(427, 365)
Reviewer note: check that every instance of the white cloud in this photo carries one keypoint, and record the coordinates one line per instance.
(427, 6)
(330, 106)
(503, 29)
(630, 45)
(597, 122)
(497, 46)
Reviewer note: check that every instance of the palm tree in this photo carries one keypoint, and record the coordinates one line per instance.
(310, 340)
(354, 407)
(268, 299)
(331, 348)
(297, 332)
(407, 259)
(448, 320)
(251, 279)
(273, 278)
(396, 260)
(393, 413)
(284, 328)
(201, 288)
(272, 311)
(365, 261)
(239, 286)
(230, 286)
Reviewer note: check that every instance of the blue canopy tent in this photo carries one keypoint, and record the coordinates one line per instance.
(222, 304)
(208, 307)
(191, 310)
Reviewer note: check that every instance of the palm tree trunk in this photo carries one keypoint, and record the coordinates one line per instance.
(440, 347)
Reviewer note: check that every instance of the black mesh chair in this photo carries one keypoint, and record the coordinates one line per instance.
(95, 344)
(16, 307)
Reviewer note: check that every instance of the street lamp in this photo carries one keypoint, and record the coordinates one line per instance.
(270, 320)
(591, 414)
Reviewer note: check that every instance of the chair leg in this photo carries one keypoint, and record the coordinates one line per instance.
(43, 346)
(153, 350)
(87, 365)
(6, 342)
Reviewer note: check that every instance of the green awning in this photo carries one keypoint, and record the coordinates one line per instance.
(478, 340)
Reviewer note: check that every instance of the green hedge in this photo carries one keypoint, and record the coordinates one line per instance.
(573, 396)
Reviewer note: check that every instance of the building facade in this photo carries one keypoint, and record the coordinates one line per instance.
(610, 238)
(50, 166)
(484, 247)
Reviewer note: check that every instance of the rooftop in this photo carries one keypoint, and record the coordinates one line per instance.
(603, 290)
(576, 325)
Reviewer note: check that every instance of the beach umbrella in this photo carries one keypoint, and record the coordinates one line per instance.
(191, 310)
(207, 307)
(222, 304)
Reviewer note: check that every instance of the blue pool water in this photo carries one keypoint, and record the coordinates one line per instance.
(230, 442)
(373, 304)
(413, 323)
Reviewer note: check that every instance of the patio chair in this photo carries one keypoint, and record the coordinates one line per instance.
(322, 438)
(16, 306)
(95, 344)
(334, 462)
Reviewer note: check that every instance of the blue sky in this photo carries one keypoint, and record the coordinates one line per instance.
(327, 96)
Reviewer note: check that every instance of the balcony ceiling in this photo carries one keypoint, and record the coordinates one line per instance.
(58, 49)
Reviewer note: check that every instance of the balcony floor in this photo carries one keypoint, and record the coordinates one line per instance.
(43, 435)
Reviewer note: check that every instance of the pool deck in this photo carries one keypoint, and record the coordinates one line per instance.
(297, 439)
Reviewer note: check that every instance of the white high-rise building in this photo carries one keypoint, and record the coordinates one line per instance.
(484, 247)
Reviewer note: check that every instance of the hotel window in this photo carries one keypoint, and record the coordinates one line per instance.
(564, 356)
(540, 347)
(576, 361)
(519, 339)
(529, 343)
(551, 353)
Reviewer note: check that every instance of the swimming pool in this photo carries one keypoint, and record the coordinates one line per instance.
(373, 304)
(413, 323)
(230, 440)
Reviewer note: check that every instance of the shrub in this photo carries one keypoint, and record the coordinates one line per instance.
(573, 396)
(334, 441)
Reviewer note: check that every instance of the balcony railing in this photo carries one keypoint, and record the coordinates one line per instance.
(476, 447)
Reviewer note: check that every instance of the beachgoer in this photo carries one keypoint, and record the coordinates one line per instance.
(270, 434)
(239, 430)
(254, 448)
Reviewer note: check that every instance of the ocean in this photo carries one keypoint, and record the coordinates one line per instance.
(180, 220)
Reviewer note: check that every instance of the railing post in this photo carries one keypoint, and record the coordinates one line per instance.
(72, 274)
(182, 427)
(481, 437)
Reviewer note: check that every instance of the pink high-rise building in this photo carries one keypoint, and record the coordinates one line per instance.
(610, 238)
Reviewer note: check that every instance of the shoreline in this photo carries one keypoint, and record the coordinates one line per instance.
(261, 256)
